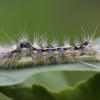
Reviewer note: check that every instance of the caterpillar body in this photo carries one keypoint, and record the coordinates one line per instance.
(12, 55)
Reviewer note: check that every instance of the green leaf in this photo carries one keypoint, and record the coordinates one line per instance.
(53, 80)
(18, 75)
(86, 90)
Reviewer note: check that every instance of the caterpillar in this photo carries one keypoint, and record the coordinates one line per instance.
(11, 55)
(41, 52)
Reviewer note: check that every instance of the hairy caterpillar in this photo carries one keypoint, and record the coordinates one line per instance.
(40, 52)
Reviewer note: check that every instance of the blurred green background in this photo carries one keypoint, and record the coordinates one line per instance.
(57, 18)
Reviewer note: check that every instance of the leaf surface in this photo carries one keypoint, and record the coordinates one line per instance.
(85, 90)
